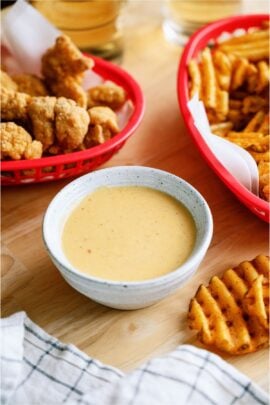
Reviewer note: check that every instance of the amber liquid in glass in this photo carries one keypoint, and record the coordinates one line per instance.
(183, 17)
(91, 24)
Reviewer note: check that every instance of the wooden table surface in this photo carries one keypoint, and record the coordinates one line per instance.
(125, 339)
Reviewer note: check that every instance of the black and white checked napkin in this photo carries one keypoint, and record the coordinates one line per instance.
(38, 369)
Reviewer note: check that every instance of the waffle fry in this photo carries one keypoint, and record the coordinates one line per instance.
(235, 104)
(230, 314)
(264, 174)
(249, 38)
(195, 75)
(232, 79)
(258, 142)
(255, 123)
(222, 128)
(253, 55)
(256, 301)
(222, 105)
(263, 76)
(264, 127)
(252, 78)
(238, 118)
(209, 85)
(223, 68)
(254, 46)
(260, 156)
(253, 104)
(239, 73)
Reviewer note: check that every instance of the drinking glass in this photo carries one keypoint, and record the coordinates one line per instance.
(93, 25)
(183, 17)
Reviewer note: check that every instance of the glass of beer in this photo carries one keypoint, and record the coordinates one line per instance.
(93, 25)
(183, 17)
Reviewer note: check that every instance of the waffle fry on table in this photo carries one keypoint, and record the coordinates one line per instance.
(256, 301)
(231, 314)
(232, 79)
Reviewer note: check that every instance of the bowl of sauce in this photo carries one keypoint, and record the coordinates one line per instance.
(127, 237)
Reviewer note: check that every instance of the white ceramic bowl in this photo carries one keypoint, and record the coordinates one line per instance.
(126, 295)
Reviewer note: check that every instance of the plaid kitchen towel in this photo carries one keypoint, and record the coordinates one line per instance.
(37, 369)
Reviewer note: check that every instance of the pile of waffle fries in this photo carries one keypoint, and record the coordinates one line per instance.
(232, 80)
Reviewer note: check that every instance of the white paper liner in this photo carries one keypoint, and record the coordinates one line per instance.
(26, 35)
(234, 158)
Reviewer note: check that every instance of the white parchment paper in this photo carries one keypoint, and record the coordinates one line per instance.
(234, 158)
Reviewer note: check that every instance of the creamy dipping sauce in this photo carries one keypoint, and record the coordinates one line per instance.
(128, 234)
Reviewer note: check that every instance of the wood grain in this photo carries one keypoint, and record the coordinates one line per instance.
(30, 282)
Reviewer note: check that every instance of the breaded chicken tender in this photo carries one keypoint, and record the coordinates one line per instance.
(71, 123)
(14, 105)
(16, 143)
(7, 82)
(64, 59)
(105, 117)
(63, 66)
(30, 84)
(42, 116)
(96, 135)
(69, 88)
(107, 94)
(103, 125)
(58, 119)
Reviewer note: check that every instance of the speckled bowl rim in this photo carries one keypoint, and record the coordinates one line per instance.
(180, 271)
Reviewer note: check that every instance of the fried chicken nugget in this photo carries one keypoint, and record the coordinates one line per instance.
(7, 82)
(69, 88)
(42, 116)
(14, 105)
(64, 59)
(16, 143)
(105, 117)
(96, 135)
(63, 66)
(30, 84)
(58, 119)
(107, 94)
(71, 123)
(103, 125)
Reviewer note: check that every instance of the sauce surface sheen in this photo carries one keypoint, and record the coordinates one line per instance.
(128, 233)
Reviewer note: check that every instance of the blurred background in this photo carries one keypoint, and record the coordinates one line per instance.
(101, 26)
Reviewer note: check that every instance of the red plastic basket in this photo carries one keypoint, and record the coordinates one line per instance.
(196, 43)
(62, 166)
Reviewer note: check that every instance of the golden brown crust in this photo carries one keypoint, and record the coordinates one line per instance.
(58, 119)
(7, 82)
(107, 94)
(103, 126)
(105, 117)
(64, 59)
(63, 66)
(30, 84)
(14, 105)
(42, 116)
(226, 314)
(71, 123)
(96, 135)
(232, 79)
(16, 143)
(69, 88)
(59, 123)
